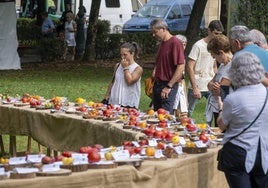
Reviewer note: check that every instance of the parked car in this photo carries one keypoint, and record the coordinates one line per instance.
(175, 12)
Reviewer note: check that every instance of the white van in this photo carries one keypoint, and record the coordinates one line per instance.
(115, 11)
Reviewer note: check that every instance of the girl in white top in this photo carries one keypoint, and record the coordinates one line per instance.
(69, 37)
(125, 88)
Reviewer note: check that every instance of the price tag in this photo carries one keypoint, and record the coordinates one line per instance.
(35, 158)
(152, 142)
(200, 144)
(135, 143)
(79, 158)
(121, 155)
(17, 160)
(25, 170)
(143, 151)
(50, 167)
(182, 141)
(178, 150)
(158, 153)
(2, 171)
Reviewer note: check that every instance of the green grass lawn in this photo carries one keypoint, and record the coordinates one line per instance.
(88, 82)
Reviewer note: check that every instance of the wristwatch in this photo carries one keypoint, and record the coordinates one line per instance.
(167, 86)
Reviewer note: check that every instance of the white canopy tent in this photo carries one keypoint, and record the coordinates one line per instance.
(9, 58)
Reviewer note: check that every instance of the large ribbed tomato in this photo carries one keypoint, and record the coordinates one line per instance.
(93, 157)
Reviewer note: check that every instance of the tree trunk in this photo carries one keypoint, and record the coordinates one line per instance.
(224, 14)
(41, 8)
(193, 27)
(92, 30)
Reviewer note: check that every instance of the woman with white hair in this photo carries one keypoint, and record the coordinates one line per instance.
(244, 118)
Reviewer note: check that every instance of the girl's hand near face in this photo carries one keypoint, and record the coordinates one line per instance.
(124, 63)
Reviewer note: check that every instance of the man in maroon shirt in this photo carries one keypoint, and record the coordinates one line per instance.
(169, 66)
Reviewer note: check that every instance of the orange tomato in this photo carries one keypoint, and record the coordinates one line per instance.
(150, 151)
(150, 112)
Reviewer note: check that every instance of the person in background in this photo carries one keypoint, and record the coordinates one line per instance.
(220, 48)
(244, 156)
(201, 67)
(125, 88)
(69, 36)
(51, 7)
(169, 66)
(241, 40)
(181, 104)
(259, 38)
(47, 27)
(63, 19)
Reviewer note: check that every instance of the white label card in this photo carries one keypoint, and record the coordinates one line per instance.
(178, 150)
(135, 143)
(158, 153)
(2, 171)
(182, 140)
(121, 155)
(17, 160)
(35, 158)
(50, 167)
(152, 142)
(25, 170)
(200, 144)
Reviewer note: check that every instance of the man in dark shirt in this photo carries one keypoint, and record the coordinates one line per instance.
(169, 66)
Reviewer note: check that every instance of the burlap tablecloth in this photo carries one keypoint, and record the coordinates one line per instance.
(194, 171)
(61, 131)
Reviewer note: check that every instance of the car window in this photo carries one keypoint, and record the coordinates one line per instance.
(186, 10)
(175, 12)
(158, 11)
(112, 3)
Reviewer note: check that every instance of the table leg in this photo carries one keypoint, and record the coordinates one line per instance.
(2, 146)
(12, 146)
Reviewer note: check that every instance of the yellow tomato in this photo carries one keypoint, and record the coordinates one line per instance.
(67, 160)
(80, 100)
(161, 117)
(108, 156)
(90, 103)
(175, 139)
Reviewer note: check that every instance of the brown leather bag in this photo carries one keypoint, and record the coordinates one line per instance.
(149, 83)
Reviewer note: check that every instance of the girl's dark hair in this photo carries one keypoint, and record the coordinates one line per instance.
(132, 47)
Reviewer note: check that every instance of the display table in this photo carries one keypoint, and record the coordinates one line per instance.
(194, 171)
(61, 131)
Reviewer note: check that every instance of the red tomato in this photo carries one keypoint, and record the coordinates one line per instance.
(98, 146)
(190, 127)
(162, 123)
(24, 100)
(158, 134)
(47, 160)
(143, 142)
(203, 137)
(93, 157)
(85, 149)
(161, 111)
(137, 150)
(59, 158)
(66, 154)
(160, 145)
(57, 107)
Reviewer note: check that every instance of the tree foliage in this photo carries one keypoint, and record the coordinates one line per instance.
(253, 14)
